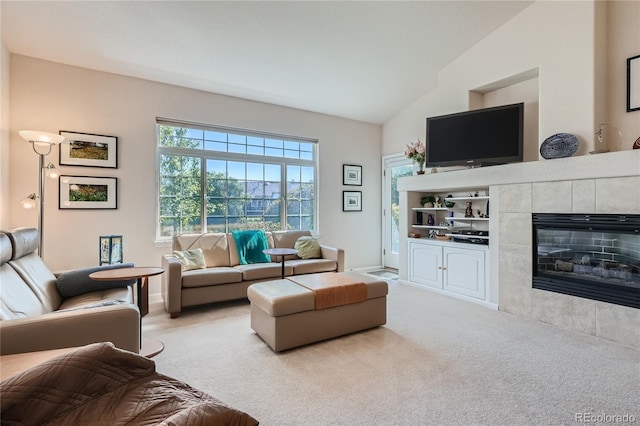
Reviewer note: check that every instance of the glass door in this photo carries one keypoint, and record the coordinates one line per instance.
(394, 166)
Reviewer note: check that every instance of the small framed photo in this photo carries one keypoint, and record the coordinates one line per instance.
(351, 201)
(86, 149)
(351, 175)
(110, 249)
(633, 83)
(85, 192)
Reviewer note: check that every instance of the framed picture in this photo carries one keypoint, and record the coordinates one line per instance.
(86, 149)
(110, 249)
(351, 201)
(351, 175)
(85, 192)
(633, 83)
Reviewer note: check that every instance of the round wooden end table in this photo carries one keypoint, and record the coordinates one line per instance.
(148, 347)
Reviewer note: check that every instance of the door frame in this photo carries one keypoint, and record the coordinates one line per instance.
(388, 161)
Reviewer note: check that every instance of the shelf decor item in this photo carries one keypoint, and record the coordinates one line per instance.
(608, 138)
(351, 175)
(633, 83)
(86, 149)
(560, 145)
(427, 201)
(417, 152)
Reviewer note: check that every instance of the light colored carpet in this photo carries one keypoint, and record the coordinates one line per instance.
(438, 361)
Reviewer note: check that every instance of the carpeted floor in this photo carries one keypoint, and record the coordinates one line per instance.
(437, 361)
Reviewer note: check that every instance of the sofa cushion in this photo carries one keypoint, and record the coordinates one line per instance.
(250, 245)
(261, 271)
(76, 282)
(214, 245)
(18, 300)
(308, 248)
(312, 266)
(287, 239)
(211, 276)
(94, 299)
(190, 259)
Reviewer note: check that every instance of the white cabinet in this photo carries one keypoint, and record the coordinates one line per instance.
(451, 267)
(425, 264)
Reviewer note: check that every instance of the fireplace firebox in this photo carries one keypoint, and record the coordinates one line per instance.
(595, 256)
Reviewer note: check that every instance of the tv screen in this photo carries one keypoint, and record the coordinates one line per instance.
(475, 138)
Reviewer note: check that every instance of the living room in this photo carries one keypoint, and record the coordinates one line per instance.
(577, 71)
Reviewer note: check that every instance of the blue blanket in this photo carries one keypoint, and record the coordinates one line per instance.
(250, 245)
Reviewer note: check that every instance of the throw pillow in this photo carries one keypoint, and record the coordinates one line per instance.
(77, 282)
(308, 248)
(191, 259)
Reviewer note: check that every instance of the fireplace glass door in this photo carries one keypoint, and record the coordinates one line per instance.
(591, 256)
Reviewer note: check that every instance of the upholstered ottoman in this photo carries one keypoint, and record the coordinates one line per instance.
(293, 312)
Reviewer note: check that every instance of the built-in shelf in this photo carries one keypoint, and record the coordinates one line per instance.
(466, 219)
(464, 236)
(429, 227)
(428, 209)
(479, 197)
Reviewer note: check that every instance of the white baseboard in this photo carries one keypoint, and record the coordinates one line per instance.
(484, 303)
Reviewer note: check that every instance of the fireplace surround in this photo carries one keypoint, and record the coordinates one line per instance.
(594, 256)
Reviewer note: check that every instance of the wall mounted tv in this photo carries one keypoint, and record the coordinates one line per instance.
(480, 137)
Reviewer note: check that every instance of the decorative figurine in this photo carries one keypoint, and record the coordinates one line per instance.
(430, 220)
(468, 212)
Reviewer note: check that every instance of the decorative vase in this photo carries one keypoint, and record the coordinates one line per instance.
(420, 168)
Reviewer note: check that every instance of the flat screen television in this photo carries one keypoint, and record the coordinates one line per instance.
(480, 137)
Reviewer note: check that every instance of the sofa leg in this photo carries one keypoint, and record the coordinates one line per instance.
(174, 314)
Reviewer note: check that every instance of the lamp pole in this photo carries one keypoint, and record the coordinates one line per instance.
(46, 141)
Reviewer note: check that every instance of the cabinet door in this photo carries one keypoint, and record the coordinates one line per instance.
(464, 273)
(425, 264)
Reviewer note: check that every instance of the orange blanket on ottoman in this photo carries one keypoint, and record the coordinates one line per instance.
(331, 289)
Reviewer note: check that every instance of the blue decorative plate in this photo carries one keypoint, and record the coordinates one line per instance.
(560, 145)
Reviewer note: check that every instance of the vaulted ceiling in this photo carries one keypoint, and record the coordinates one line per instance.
(355, 59)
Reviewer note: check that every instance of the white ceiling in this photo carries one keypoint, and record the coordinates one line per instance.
(355, 59)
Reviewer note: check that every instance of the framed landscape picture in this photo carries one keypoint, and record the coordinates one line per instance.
(85, 192)
(633, 83)
(351, 175)
(351, 201)
(86, 149)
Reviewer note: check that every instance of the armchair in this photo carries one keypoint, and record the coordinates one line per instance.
(35, 316)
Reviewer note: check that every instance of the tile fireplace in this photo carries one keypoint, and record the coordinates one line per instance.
(594, 256)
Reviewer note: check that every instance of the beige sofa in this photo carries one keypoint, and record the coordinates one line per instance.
(36, 317)
(224, 278)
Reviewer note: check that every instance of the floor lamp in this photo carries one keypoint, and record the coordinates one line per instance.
(42, 144)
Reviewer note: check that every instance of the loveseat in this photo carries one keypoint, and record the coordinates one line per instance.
(224, 278)
(35, 316)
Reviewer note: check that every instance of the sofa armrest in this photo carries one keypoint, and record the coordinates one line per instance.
(333, 253)
(172, 284)
(119, 324)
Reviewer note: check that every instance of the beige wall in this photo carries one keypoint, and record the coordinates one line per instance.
(4, 130)
(567, 61)
(623, 42)
(52, 97)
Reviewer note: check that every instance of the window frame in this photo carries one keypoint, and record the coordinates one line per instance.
(207, 154)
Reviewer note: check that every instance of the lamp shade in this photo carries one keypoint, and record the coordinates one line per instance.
(37, 136)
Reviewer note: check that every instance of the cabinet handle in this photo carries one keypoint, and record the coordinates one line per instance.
(440, 267)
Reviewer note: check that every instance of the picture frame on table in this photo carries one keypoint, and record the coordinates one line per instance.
(87, 192)
(633, 83)
(351, 175)
(88, 150)
(351, 201)
(110, 249)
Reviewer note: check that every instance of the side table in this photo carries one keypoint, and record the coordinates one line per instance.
(280, 252)
(148, 347)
